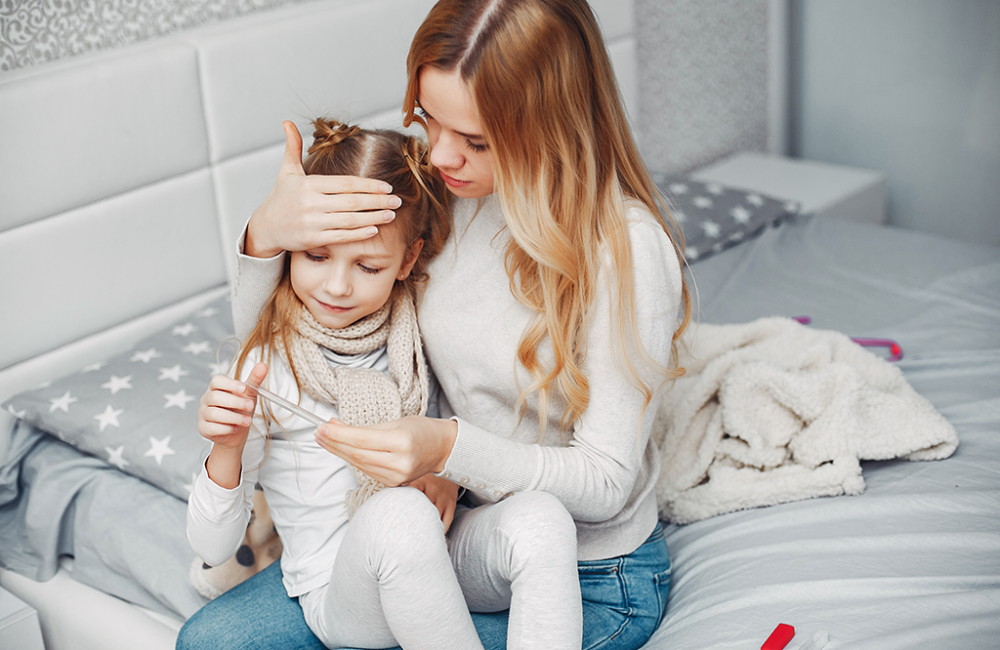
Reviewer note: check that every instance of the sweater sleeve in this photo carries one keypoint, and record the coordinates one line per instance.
(255, 279)
(595, 474)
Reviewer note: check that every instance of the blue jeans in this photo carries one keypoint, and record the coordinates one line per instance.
(624, 599)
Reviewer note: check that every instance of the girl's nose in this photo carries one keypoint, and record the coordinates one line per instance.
(338, 282)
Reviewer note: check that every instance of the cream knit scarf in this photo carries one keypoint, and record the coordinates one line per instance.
(364, 396)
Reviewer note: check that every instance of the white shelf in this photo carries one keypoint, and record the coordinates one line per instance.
(828, 190)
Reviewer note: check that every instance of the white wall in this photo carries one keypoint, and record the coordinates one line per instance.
(912, 88)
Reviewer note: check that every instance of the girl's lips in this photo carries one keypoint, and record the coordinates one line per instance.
(333, 308)
(454, 182)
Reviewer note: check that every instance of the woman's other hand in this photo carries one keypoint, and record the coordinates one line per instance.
(394, 452)
(224, 417)
(304, 212)
(442, 493)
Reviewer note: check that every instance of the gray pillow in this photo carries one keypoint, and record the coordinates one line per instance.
(139, 410)
(715, 217)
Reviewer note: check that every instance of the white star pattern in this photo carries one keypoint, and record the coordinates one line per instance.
(92, 367)
(115, 457)
(18, 414)
(691, 253)
(197, 348)
(159, 448)
(755, 199)
(178, 399)
(174, 372)
(702, 202)
(711, 228)
(713, 188)
(792, 207)
(109, 417)
(116, 384)
(146, 356)
(206, 312)
(680, 217)
(183, 330)
(62, 403)
(678, 188)
(221, 368)
(740, 214)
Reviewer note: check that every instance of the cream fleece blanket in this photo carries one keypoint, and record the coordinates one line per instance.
(773, 411)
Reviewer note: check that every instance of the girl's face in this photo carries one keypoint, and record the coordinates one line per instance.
(342, 283)
(458, 148)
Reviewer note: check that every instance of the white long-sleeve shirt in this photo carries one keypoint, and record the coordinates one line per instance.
(304, 484)
(605, 470)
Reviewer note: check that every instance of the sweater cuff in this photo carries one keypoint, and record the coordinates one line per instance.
(256, 278)
(492, 467)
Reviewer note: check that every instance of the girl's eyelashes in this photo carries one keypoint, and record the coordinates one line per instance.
(369, 269)
(314, 258)
(422, 113)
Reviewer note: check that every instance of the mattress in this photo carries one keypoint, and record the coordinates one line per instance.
(913, 562)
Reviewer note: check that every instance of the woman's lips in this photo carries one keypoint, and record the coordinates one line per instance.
(454, 182)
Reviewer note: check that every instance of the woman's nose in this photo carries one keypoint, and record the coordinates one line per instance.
(446, 153)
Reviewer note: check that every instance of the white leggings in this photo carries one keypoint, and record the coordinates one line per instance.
(398, 580)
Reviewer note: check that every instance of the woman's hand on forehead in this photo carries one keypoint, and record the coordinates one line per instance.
(304, 212)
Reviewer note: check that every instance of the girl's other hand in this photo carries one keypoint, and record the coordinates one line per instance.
(304, 212)
(442, 493)
(395, 452)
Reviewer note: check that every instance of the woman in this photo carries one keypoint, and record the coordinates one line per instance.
(550, 317)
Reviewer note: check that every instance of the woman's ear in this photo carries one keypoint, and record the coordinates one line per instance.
(412, 253)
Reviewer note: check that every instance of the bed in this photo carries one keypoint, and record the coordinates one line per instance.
(175, 141)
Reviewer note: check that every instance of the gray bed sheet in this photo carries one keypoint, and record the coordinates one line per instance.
(913, 562)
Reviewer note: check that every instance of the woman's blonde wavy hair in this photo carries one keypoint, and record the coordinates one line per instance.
(564, 165)
(401, 161)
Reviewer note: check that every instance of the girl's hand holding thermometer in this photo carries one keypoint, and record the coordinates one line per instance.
(224, 418)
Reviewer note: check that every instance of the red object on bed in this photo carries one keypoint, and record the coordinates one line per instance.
(779, 638)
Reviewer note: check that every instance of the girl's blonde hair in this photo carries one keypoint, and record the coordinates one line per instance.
(401, 161)
(564, 165)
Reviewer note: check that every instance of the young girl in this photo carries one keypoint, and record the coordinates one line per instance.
(339, 337)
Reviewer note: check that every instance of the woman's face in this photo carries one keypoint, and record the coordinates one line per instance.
(458, 148)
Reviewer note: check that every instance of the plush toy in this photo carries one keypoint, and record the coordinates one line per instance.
(261, 546)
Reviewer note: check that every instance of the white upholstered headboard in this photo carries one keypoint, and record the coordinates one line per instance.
(126, 175)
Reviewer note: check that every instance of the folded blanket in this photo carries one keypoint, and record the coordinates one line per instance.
(773, 411)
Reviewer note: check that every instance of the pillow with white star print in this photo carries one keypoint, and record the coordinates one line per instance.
(138, 410)
(715, 217)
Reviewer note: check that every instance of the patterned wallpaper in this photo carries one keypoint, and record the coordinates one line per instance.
(36, 31)
(703, 70)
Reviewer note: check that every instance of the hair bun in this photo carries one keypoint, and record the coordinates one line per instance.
(330, 133)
